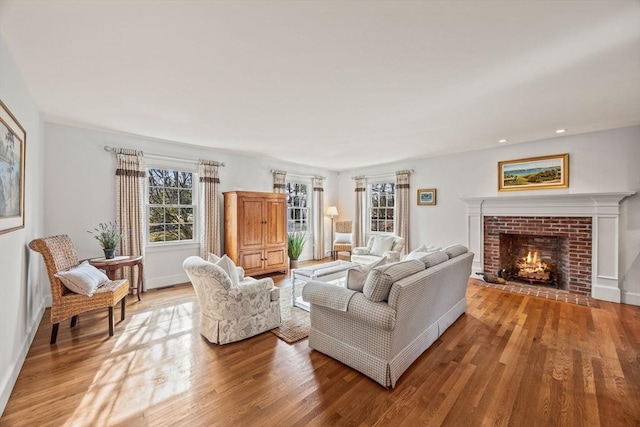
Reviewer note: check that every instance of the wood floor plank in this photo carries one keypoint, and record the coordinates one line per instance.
(510, 360)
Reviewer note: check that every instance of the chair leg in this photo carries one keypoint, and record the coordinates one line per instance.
(54, 333)
(110, 321)
(122, 307)
(74, 321)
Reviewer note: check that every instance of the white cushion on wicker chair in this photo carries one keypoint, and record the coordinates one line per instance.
(83, 279)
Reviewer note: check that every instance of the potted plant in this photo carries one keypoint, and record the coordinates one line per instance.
(295, 244)
(108, 236)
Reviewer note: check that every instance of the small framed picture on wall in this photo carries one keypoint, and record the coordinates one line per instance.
(427, 196)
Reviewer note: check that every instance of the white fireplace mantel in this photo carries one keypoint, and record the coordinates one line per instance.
(604, 208)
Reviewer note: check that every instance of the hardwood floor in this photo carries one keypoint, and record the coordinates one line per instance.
(510, 360)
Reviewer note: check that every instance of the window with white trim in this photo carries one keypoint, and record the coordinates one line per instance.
(297, 206)
(382, 198)
(170, 205)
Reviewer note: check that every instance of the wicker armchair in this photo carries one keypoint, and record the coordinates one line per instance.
(59, 254)
(340, 243)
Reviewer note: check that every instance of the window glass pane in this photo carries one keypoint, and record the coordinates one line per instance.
(184, 179)
(185, 197)
(186, 215)
(171, 232)
(170, 178)
(186, 231)
(155, 177)
(171, 196)
(156, 215)
(156, 196)
(156, 233)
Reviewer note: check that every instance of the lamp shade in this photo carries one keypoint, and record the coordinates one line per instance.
(332, 211)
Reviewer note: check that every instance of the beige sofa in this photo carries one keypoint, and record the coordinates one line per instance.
(378, 246)
(403, 308)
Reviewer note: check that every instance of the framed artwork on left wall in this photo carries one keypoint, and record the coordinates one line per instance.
(13, 140)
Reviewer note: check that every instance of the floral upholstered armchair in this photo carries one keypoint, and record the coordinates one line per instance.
(232, 308)
(379, 245)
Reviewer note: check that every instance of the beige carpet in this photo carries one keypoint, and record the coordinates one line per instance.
(295, 321)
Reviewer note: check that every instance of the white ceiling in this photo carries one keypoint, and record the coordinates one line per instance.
(334, 84)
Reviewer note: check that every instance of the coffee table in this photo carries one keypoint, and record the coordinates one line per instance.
(328, 272)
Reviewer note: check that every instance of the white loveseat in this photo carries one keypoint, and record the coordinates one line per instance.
(378, 246)
(403, 308)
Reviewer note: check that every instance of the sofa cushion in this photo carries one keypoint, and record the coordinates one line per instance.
(434, 258)
(382, 244)
(455, 250)
(356, 277)
(379, 281)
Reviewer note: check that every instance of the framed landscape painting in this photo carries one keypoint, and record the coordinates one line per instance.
(12, 151)
(534, 173)
(427, 196)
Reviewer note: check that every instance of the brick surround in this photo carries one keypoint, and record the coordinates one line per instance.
(575, 252)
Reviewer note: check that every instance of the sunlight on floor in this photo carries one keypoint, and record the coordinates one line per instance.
(137, 367)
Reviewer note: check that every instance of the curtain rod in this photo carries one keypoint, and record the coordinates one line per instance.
(163, 157)
(384, 175)
(298, 175)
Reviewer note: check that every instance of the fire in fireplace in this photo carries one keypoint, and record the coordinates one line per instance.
(532, 268)
(531, 259)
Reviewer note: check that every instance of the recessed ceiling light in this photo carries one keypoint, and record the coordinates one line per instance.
(502, 141)
(561, 131)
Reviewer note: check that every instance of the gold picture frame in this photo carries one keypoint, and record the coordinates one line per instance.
(13, 139)
(426, 196)
(534, 173)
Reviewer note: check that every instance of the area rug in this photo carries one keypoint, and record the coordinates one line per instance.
(295, 321)
(540, 292)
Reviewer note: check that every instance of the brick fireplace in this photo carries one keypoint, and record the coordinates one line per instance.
(563, 244)
(580, 230)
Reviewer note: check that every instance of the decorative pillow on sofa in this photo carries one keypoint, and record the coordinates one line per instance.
(83, 279)
(434, 258)
(356, 277)
(379, 281)
(382, 244)
(455, 250)
(342, 238)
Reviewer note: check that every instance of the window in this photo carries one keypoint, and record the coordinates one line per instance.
(381, 207)
(170, 207)
(297, 207)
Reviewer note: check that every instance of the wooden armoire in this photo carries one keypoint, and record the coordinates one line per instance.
(255, 231)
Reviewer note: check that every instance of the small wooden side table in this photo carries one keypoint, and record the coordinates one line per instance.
(110, 266)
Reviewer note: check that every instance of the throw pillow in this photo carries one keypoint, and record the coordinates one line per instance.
(342, 238)
(455, 250)
(213, 258)
(356, 277)
(83, 279)
(229, 267)
(415, 255)
(382, 244)
(380, 280)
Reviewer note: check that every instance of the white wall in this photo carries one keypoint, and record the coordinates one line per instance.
(599, 162)
(21, 276)
(80, 188)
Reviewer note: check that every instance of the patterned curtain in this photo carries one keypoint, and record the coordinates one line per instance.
(209, 208)
(360, 220)
(318, 218)
(401, 218)
(279, 179)
(130, 176)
